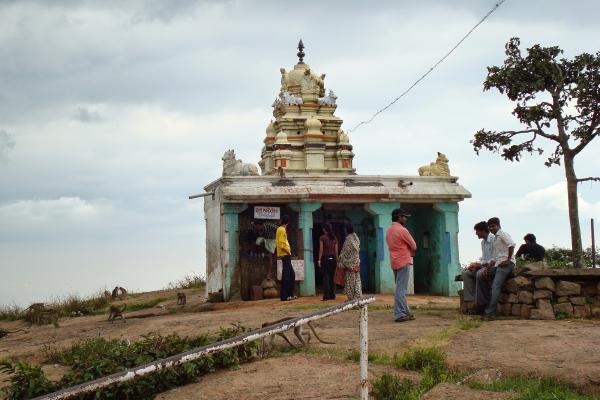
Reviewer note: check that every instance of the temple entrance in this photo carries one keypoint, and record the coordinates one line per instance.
(337, 215)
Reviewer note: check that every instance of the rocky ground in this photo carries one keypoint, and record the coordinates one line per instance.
(565, 350)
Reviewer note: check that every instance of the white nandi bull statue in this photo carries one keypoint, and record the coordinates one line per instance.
(328, 100)
(232, 167)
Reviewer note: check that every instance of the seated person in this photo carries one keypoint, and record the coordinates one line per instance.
(473, 275)
(531, 250)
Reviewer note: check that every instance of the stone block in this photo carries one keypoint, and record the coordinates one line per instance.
(526, 310)
(582, 311)
(589, 289)
(513, 285)
(566, 288)
(563, 299)
(566, 308)
(542, 313)
(506, 310)
(503, 297)
(512, 298)
(525, 297)
(596, 312)
(578, 301)
(516, 310)
(545, 283)
(542, 294)
(543, 310)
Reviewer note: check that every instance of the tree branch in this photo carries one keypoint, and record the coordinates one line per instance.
(540, 132)
(589, 178)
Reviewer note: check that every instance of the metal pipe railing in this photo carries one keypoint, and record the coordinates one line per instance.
(199, 352)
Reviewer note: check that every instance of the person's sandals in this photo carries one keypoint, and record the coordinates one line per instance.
(291, 298)
(403, 319)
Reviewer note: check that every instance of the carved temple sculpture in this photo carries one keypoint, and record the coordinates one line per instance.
(232, 167)
(305, 136)
(437, 168)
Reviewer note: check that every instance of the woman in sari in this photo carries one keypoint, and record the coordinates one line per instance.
(350, 261)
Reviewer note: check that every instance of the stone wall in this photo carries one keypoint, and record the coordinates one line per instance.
(551, 294)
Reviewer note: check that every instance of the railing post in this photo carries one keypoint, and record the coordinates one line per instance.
(364, 353)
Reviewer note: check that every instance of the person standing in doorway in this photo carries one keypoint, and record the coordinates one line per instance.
(500, 266)
(328, 257)
(402, 248)
(284, 251)
(350, 261)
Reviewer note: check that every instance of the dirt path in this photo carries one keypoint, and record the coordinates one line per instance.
(284, 378)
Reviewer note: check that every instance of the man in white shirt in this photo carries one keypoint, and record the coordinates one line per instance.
(474, 281)
(501, 266)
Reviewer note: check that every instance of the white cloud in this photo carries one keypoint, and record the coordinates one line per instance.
(61, 210)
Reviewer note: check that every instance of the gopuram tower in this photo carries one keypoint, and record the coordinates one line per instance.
(305, 137)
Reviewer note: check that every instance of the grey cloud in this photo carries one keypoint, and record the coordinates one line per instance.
(7, 143)
(86, 115)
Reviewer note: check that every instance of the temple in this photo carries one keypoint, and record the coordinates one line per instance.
(306, 172)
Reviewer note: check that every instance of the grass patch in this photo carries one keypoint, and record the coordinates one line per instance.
(429, 362)
(142, 305)
(93, 358)
(188, 282)
(374, 358)
(530, 388)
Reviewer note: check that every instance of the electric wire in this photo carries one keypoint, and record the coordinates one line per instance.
(365, 122)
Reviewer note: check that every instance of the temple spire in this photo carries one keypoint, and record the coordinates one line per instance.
(300, 53)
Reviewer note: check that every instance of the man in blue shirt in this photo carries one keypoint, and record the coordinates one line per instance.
(473, 277)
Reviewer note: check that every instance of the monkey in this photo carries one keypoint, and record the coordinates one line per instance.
(4, 333)
(298, 331)
(115, 312)
(181, 299)
(107, 294)
(117, 292)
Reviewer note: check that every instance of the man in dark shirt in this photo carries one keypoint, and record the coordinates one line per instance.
(531, 250)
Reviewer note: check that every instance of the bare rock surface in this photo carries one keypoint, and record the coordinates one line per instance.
(558, 349)
(447, 391)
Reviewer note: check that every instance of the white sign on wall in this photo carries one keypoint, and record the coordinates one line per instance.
(298, 266)
(263, 212)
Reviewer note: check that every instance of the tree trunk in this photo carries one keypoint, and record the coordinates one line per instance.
(573, 210)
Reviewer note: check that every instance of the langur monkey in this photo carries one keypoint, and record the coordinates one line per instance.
(5, 333)
(181, 299)
(298, 331)
(115, 312)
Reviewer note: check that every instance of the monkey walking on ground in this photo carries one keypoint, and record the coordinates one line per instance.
(298, 331)
(181, 299)
(115, 312)
(4, 333)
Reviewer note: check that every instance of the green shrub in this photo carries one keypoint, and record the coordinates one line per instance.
(390, 387)
(90, 359)
(145, 304)
(559, 257)
(421, 358)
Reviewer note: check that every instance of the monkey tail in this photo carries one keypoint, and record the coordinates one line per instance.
(124, 307)
(317, 336)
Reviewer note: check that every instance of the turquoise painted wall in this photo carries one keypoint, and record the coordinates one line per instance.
(305, 223)
(382, 219)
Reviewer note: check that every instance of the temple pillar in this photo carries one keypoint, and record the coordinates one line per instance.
(443, 283)
(305, 223)
(382, 219)
(231, 251)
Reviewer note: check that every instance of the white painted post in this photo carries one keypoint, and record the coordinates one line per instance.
(364, 353)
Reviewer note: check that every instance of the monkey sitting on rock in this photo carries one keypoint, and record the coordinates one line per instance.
(181, 299)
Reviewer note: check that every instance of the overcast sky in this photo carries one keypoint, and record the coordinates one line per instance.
(112, 113)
